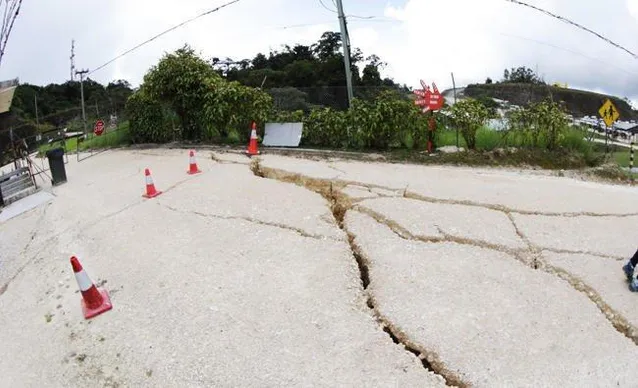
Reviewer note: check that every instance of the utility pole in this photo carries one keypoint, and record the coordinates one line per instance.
(457, 129)
(72, 60)
(81, 73)
(35, 100)
(346, 50)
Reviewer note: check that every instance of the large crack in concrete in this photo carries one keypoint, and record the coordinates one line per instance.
(620, 323)
(339, 204)
(290, 177)
(531, 256)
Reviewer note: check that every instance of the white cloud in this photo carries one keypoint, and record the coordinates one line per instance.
(477, 39)
(425, 39)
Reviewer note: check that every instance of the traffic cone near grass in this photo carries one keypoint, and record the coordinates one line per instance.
(150, 187)
(94, 301)
(192, 169)
(252, 145)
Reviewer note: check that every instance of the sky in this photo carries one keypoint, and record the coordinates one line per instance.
(418, 39)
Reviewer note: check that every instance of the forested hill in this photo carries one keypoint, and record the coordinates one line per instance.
(59, 103)
(314, 74)
(522, 86)
(578, 103)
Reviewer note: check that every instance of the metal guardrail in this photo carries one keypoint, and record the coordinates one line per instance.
(14, 184)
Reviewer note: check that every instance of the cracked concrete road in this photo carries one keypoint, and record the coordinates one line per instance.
(326, 273)
(529, 193)
(226, 279)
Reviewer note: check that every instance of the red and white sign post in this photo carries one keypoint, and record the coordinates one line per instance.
(98, 129)
(430, 100)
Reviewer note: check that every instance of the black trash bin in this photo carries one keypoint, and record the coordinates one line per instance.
(56, 164)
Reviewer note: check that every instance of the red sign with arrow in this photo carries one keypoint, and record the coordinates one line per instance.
(429, 99)
(98, 129)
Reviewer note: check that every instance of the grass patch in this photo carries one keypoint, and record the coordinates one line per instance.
(552, 160)
(488, 140)
(115, 138)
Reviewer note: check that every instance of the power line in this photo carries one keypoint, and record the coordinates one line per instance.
(364, 20)
(11, 12)
(350, 16)
(565, 20)
(326, 7)
(163, 33)
(567, 50)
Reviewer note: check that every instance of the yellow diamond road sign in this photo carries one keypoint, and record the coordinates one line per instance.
(609, 113)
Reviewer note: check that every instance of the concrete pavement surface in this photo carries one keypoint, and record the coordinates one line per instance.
(436, 220)
(202, 295)
(532, 329)
(436, 275)
(526, 192)
(606, 236)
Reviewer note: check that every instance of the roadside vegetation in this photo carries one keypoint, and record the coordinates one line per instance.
(189, 99)
(117, 137)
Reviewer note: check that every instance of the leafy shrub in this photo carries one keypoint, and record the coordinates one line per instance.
(541, 124)
(231, 106)
(206, 106)
(149, 120)
(388, 120)
(326, 127)
(469, 115)
(284, 116)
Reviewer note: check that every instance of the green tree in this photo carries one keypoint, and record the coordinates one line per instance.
(522, 75)
(469, 115)
(207, 106)
(149, 119)
(317, 70)
(180, 80)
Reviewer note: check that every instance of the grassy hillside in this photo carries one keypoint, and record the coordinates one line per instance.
(578, 102)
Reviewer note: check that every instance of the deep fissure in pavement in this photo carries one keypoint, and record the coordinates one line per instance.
(363, 267)
(530, 256)
(339, 205)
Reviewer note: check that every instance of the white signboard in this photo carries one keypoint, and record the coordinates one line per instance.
(283, 134)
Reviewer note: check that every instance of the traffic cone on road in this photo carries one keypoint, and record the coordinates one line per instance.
(252, 145)
(192, 169)
(150, 187)
(94, 301)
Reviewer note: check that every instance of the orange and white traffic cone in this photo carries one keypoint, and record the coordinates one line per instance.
(150, 187)
(252, 145)
(192, 169)
(94, 301)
